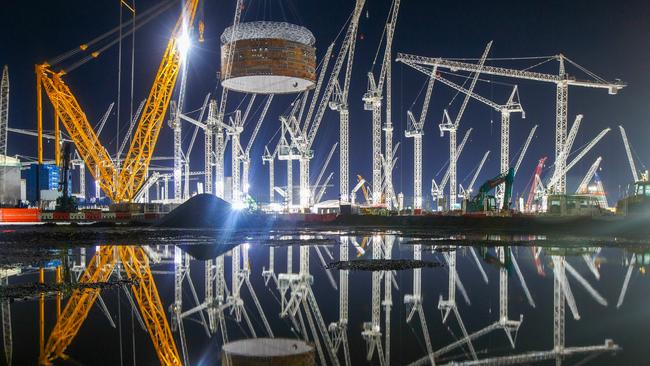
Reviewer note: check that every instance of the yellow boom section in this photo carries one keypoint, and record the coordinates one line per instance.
(81, 132)
(137, 159)
(133, 172)
(136, 266)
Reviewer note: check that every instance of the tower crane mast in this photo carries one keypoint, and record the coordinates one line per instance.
(628, 151)
(4, 110)
(415, 131)
(562, 81)
(372, 101)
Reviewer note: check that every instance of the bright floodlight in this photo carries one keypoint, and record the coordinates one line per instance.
(238, 205)
(184, 43)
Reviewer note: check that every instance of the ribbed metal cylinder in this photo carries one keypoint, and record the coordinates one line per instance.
(268, 58)
(268, 352)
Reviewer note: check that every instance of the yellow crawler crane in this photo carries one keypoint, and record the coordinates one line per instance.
(118, 188)
(69, 112)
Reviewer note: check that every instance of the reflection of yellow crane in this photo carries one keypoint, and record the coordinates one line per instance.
(120, 187)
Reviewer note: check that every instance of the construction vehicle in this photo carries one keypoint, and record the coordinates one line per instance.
(483, 202)
(66, 202)
(637, 200)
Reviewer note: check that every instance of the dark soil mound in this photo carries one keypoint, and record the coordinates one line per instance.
(205, 211)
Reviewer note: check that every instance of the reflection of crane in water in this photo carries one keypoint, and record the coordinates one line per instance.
(372, 330)
(449, 305)
(298, 288)
(339, 330)
(561, 295)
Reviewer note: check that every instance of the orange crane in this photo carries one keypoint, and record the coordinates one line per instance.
(119, 187)
(122, 186)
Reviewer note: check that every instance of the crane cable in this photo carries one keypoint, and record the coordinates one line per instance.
(96, 54)
(147, 14)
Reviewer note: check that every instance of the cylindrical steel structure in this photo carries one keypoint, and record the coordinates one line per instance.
(268, 58)
(268, 352)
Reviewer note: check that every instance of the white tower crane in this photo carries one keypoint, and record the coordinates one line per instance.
(437, 190)
(4, 110)
(566, 167)
(246, 153)
(562, 81)
(628, 151)
(372, 101)
(415, 130)
(4, 125)
(452, 127)
(209, 157)
(303, 138)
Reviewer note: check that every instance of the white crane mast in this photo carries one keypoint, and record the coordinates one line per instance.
(562, 81)
(322, 171)
(246, 160)
(439, 190)
(209, 134)
(303, 141)
(452, 128)
(388, 127)
(525, 148)
(628, 151)
(4, 110)
(476, 173)
(590, 174)
(372, 101)
(416, 130)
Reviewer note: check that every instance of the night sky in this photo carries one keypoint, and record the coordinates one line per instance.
(611, 39)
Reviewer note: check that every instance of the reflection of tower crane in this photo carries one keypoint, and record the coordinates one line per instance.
(415, 301)
(449, 305)
(562, 81)
(339, 330)
(300, 293)
(372, 330)
(388, 295)
(626, 281)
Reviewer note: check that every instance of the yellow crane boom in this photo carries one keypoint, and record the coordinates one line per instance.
(81, 132)
(67, 109)
(117, 188)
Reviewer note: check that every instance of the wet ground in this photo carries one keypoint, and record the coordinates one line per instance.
(483, 299)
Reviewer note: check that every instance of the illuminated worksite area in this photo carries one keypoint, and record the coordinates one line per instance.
(254, 182)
